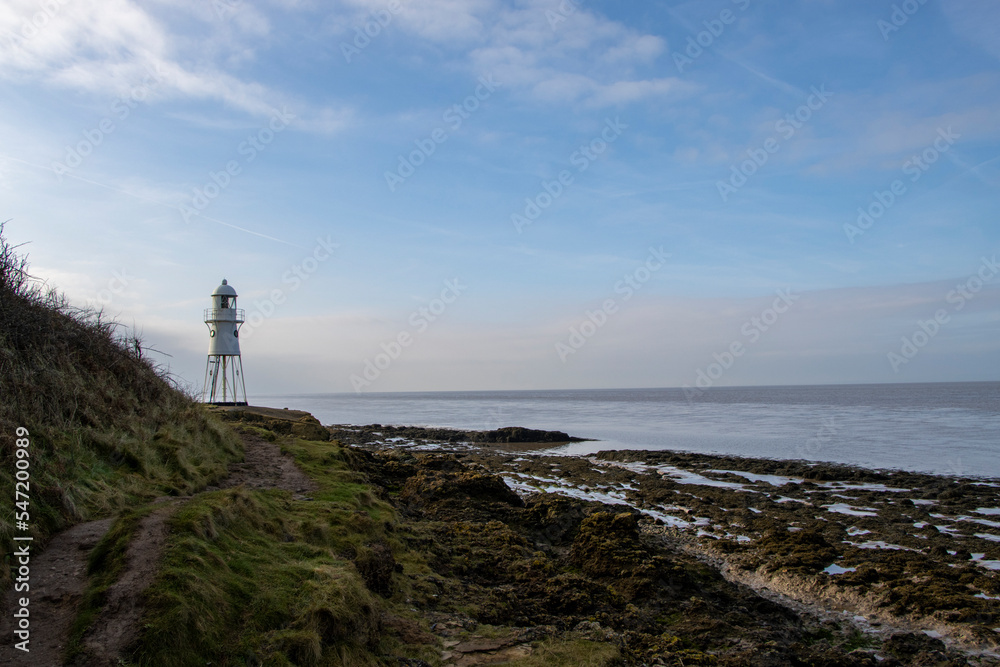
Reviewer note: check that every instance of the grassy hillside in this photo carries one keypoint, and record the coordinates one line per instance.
(338, 578)
(107, 429)
(258, 575)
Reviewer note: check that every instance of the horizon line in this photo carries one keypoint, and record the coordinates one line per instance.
(704, 390)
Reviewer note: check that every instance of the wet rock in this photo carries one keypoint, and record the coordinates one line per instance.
(506, 435)
(412, 662)
(804, 551)
(608, 546)
(521, 435)
(596, 571)
(917, 648)
(553, 520)
(428, 487)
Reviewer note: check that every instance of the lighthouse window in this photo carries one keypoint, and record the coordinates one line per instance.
(211, 333)
(225, 302)
(236, 333)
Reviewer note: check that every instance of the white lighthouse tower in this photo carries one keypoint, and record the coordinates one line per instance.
(224, 371)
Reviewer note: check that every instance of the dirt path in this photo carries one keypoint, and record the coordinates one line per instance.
(57, 580)
(117, 627)
(265, 467)
(58, 574)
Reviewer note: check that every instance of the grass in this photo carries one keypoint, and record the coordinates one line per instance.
(108, 430)
(253, 577)
(241, 581)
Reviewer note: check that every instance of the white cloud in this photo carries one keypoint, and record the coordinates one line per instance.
(435, 20)
(578, 57)
(626, 92)
(109, 47)
(586, 58)
(644, 48)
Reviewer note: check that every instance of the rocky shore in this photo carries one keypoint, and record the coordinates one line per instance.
(677, 558)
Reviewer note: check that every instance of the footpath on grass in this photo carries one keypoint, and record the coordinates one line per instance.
(60, 571)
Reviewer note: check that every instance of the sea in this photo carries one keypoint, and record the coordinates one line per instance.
(937, 428)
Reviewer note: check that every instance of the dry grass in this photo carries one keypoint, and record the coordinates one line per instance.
(107, 426)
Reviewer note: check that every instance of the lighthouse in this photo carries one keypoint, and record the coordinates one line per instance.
(224, 370)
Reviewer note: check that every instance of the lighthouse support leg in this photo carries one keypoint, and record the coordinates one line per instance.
(204, 389)
(225, 380)
(227, 371)
(211, 379)
(238, 385)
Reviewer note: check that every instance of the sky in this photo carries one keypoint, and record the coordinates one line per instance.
(425, 195)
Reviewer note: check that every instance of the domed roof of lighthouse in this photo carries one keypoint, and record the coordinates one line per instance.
(225, 289)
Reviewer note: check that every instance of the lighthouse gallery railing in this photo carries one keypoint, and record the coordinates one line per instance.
(225, 315)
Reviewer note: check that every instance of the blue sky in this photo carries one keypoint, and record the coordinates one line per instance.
(622, 191)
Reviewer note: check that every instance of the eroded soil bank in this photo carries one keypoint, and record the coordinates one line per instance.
(677, 558)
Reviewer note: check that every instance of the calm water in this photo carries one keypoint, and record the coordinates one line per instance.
(945, 428)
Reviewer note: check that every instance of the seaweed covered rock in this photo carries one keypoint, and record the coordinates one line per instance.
(919, 649)
(456, 494)
(518, 434)
(805, 551)
(581, 567)
(388, 470)
(553, 520)
(608, 547)
(516, 584)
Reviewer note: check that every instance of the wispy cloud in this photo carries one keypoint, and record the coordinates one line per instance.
(556, 52)
(107, 47)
